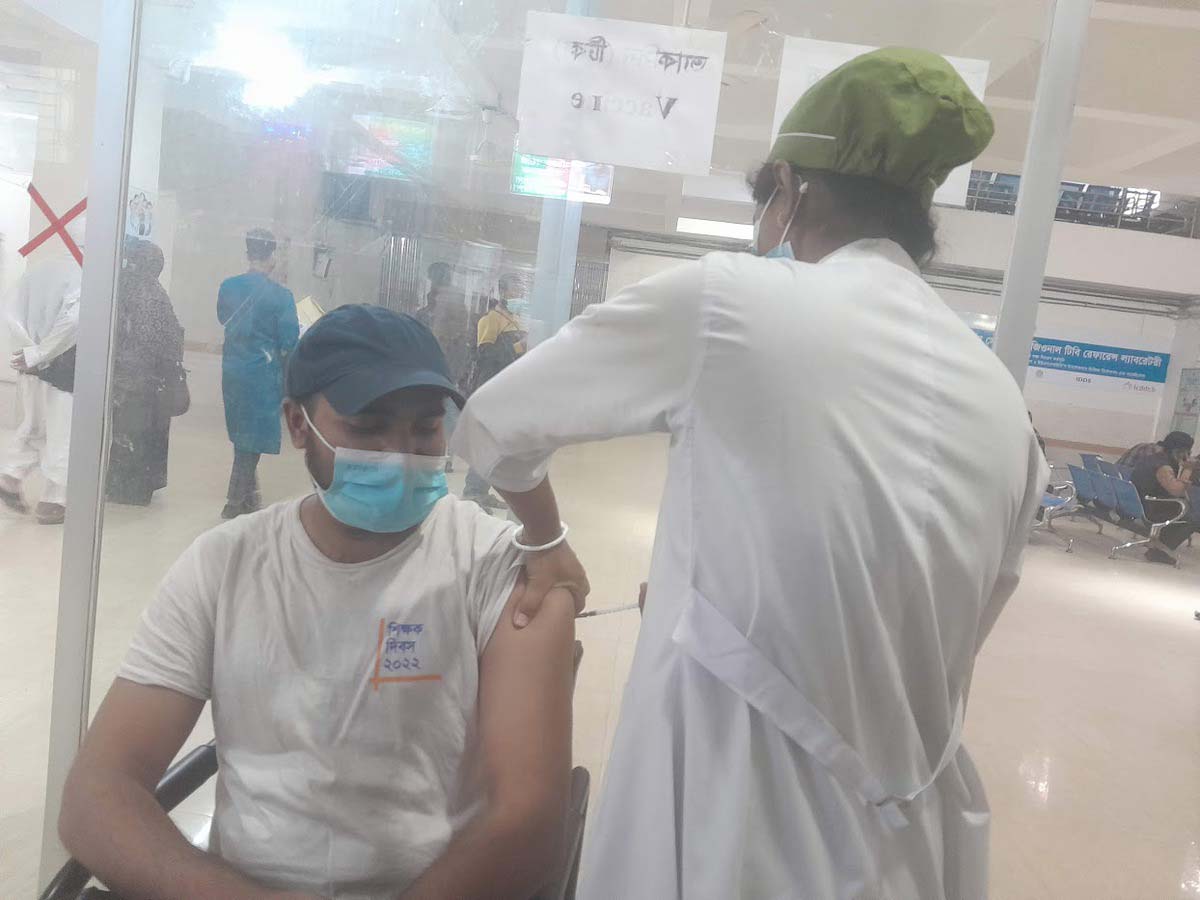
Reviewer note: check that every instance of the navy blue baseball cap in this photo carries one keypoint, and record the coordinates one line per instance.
(356, 354)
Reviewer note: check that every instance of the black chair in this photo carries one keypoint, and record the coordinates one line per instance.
(187, 775)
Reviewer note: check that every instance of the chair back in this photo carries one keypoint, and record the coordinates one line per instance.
(1126, 472)
(1129, 504)
(1106, 495)
(1084, 489)
(1091, 461)
(1109, 469)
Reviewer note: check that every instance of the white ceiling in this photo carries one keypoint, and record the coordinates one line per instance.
(1137, 122)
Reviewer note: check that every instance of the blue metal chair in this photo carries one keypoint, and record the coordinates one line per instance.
(1086, 498)
(1126, 472)
(1106, 495)
(1109, 469)
(1133, 516)
(1091, 461)
(1057, 500)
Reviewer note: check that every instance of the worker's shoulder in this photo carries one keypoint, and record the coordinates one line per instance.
(747, 269)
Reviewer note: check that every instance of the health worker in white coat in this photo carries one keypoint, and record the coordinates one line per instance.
(43, 318)
(851, 481)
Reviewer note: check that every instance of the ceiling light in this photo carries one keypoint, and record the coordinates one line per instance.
(715, 228)
(275, 71)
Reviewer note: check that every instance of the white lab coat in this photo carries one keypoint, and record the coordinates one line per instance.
(43, 317)
(852, 476)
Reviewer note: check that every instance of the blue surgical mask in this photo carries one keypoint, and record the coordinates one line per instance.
(782, 250)
(381, 492)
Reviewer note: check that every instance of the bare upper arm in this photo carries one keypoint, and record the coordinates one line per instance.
(137, 731)
(525, 686)
(1170, 483)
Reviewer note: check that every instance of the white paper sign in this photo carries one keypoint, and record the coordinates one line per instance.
(807, 61)
(624, 93)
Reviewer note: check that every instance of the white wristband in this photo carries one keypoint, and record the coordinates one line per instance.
(517, 535)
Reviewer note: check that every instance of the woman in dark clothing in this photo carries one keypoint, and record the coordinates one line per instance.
(1167, 474)
(147, 354)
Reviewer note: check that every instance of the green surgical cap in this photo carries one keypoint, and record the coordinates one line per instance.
(901, 116)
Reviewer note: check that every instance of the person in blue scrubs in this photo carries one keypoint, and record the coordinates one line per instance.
(261, 329)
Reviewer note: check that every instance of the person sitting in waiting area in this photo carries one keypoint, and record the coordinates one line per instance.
(383, 729)
(1139, 453)
(1165, 473)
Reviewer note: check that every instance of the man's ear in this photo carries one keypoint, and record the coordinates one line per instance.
(293, 414)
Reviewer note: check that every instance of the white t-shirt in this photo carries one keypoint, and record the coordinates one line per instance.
(343, 695)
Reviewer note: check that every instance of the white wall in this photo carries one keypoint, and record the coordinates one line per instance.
(1185, 354)
(1079, 252)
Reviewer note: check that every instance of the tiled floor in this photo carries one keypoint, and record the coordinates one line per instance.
(1084, 717)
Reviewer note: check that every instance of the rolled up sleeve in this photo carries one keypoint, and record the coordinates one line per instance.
(622, 367)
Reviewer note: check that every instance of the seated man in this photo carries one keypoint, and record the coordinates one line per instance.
(383, 730)
(1165, 474)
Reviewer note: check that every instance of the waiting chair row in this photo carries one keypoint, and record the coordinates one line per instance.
(1112, 500)
(1099, 465)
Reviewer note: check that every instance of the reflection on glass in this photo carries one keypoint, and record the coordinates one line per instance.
(290, 159)
(1035, 771)
(47, 95)
(1190, 880)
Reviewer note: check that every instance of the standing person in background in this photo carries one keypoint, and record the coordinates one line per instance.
(261, 328)
(445, 314)
(513, 293)
(439, 276)
(147, 356)
(500, 343)
(44, 320)
(440, 314)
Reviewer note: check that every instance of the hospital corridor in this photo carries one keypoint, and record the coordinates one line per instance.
(840, 361)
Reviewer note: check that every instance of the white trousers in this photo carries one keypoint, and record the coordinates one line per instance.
(43, 437)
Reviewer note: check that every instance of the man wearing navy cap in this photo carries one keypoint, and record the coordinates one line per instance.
(383, 730)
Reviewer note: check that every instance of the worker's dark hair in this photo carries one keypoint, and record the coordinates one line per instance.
(260, 244)
(872, 207)
(1177, 440)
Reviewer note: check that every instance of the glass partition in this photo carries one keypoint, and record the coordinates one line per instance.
(1125, 244)
(47, 95)
(373, 152)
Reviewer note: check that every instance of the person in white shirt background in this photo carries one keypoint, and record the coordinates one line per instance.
(382, 729)
(43, 317)
(851, 480)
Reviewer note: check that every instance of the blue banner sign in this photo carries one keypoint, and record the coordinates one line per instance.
(1094, 359)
